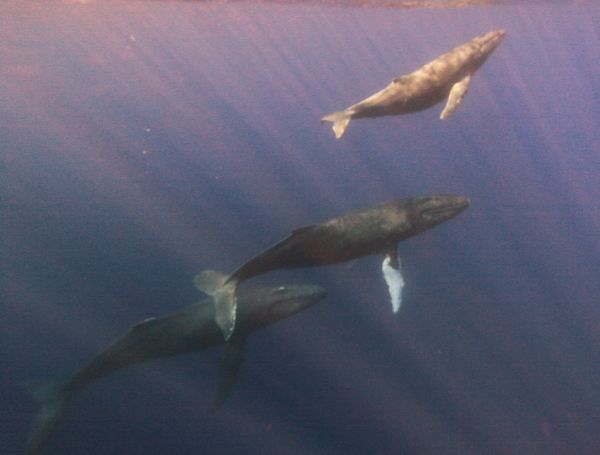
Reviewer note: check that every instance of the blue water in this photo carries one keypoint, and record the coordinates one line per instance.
(144, 141)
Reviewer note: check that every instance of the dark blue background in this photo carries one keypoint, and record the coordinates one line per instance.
(143, 142)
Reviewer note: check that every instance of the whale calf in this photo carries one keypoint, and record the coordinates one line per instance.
(446, 77)
(191, 329)
(376, 230)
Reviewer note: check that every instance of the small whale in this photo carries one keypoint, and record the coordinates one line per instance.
(191, 329)
(376, 230)
(446, 77)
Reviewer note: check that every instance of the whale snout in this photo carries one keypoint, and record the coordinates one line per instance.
(437, 209)
(492, 40)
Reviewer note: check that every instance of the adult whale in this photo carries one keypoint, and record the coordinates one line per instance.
(376, 230)
(191, 329)
(448, 76)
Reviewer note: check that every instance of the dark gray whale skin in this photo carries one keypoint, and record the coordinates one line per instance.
(376, 230)
(446, 77)
(190, 329)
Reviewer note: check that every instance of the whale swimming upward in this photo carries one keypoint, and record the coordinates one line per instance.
(376, 230)
(446, 77)
(191, 329)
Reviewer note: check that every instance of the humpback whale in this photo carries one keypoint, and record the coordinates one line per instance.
(446, 77)
(376, 230)
(191, 329)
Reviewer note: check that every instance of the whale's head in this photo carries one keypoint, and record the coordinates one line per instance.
(265, 306)
(491, 40)
(428, 211)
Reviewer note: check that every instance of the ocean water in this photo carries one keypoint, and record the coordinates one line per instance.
(142, 142)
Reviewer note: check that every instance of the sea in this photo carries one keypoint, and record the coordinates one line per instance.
(142, 142)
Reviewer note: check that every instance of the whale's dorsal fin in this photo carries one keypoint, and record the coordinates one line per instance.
(457, 93)
(302, 230)
(233, 357)
(393, 277)
(400, 79)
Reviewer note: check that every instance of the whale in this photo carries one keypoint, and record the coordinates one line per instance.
(445, 78)
(190, 329)
(375, 230)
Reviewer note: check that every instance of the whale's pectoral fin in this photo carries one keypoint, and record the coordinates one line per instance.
(457, 93)
(393, 277)
(233, 358)
(340, 121)
(301, 230)
(215, 284)
(53, 398)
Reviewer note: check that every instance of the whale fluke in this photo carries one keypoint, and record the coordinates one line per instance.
(210, 281)
(340, 120)
(215, 284)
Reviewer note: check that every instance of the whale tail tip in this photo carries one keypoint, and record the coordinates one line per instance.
(340, 120)
(53, 398)
(222, 291)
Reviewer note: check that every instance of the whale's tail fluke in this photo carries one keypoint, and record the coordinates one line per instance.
(216, 285)
(53, 398)
(340, 121)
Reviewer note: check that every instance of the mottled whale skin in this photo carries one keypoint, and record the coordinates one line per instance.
(446, 77)
(191, 329)
(376, 230)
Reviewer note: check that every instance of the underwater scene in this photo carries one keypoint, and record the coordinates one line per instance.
(321, 227)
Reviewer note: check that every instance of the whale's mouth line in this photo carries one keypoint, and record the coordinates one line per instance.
(295, 303)
(495, 39)
(439, 212)
(445, 212)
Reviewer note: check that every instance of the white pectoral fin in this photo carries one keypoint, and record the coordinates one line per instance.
(393, 277)
(457, 93)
